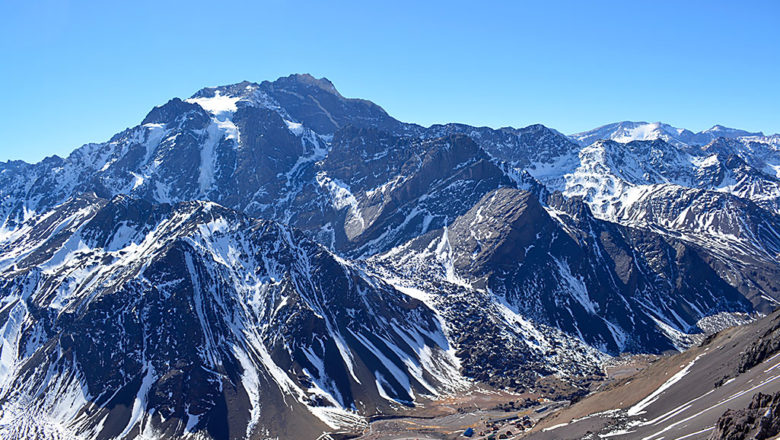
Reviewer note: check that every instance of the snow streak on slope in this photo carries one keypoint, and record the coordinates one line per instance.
(247, 285)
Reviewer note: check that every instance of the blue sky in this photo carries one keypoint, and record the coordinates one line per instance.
(79, 71)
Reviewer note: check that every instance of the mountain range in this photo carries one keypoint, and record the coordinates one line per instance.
(275, 260)
(627, 131)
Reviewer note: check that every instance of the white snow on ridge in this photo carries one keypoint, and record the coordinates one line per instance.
(222, 108)
(627, 131)
(217, 104)
(551, 173)
(630, 131)
(639, 133)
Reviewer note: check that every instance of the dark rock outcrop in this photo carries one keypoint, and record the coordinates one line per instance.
(759, 421)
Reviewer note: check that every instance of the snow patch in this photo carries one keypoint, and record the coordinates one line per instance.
(217, 104)
(647, 401)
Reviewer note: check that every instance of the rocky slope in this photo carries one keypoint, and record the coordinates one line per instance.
(758, 421)
(123, 318)
(615, 288)
(685, 395)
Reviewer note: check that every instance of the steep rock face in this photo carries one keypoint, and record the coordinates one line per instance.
(318, 105)
(180, 152)
(764, 346)
(732, 174)
(761, 153)
(234, 145)
(715, 203)
(706, 213)
(126, 318)
(672, 275)
(758, 421)
(738, 238)
(400, 188)
(573, 279)
(495, 234)
(510, 245)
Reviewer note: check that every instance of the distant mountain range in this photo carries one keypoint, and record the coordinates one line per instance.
(275, 260)
(628, 131)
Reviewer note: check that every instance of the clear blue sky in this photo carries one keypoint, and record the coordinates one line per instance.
(79, 71)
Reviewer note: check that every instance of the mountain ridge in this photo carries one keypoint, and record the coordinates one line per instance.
(399, 251)
(626, 131)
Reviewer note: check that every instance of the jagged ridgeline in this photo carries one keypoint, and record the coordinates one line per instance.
(275, 260)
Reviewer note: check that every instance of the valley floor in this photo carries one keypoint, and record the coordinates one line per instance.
(449, 418)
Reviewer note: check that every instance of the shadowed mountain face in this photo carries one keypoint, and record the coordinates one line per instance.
(318, 105)
(397, 188)
(607, 284)
(277, 260)
(136, 318)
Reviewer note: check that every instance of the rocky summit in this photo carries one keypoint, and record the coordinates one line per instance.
(275, 260)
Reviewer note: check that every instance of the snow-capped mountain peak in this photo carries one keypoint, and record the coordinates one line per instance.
(721, 131)
(628, 131)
